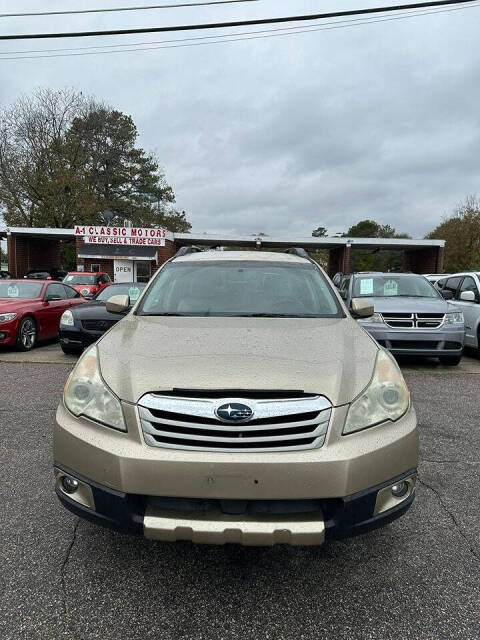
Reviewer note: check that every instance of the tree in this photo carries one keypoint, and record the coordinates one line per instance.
(375, 260)
(462, 234)
(40, 185)
(65, 159)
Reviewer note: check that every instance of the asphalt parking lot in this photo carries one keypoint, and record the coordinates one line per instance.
(64, 578)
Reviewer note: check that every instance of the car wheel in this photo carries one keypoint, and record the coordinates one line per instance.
(450, 361)
(27, 334)
(71, 351)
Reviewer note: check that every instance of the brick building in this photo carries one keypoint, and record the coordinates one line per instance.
(39, 248)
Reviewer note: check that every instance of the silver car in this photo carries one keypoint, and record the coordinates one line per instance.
(411, 316)
(464, 290)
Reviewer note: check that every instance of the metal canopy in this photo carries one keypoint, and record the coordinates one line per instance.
(182, 239)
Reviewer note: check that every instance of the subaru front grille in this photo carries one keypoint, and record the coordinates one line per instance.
(221, 424)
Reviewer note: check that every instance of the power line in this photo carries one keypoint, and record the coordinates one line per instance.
(141, 45)
(115, 9)
(236, 23)
(253, 35)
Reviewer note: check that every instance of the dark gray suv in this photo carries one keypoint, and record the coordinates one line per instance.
(411, 317)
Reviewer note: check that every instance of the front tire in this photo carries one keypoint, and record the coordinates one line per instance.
(27, 334)
(450, 361)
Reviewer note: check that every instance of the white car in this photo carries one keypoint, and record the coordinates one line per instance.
(435, 277)
(463, 289)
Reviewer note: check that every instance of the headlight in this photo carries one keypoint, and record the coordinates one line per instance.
(67, 319)
(87, 394)
(385, 398)
(6, 317)
(454, 318)
(376, 319)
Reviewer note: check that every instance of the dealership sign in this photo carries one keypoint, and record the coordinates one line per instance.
(122, 236)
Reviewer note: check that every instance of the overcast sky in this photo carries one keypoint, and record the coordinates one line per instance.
(284, 134)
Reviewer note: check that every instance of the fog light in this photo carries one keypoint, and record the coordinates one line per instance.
(400, 489)
(70, 485)
(3, 336)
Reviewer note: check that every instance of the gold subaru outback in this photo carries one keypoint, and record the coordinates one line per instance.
(238, 401)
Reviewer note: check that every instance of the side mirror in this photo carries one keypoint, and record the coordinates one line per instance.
(118, 304)
(362, 307)
(52, 298)
(467, 296)
(448, 295)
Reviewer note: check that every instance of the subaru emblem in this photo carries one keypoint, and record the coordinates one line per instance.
(234, 412)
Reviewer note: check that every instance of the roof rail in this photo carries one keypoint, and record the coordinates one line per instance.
(298, 251)
(184, 251)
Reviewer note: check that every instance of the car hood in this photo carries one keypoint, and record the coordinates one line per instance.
(331, 357)
(94, 310)
(411, 305)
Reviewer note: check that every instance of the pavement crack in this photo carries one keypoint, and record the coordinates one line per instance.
(449, 513)
(450, 461)
(63, 570)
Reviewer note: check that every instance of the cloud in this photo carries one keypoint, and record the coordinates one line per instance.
(284, 134)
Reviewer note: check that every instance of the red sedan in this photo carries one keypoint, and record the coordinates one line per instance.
(30, 310)
(88, 283)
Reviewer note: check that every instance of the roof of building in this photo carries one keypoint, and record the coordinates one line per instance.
(308, 242)
(216, 240)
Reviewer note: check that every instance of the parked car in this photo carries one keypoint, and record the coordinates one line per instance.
(463, 289)
(434, 277)
(411, 317)
(45, 274)
(30, 310)
(5, 275)
(238, 401)
(88, 283)
(81, 327)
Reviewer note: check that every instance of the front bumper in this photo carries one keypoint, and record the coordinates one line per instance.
(77, 338)
(251, 523)
(447, 341)
(9, 332)
(147, 484)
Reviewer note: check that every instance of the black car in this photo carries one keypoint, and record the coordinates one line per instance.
(5, 275)
(82, 326)
(46, 274)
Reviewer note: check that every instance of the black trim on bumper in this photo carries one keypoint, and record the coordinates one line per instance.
(75, 337)
(343, 517)
(353, 515)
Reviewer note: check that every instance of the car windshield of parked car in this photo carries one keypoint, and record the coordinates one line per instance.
(12, 290)
(241, 288)
(395, 286)
(80, 279)
(130, 289)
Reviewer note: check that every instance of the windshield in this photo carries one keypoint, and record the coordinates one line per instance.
(130, 289)
(14, 289)
(240, 288)
(395, 286)
(81, 279)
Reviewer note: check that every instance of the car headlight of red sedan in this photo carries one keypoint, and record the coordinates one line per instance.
(7, 317)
